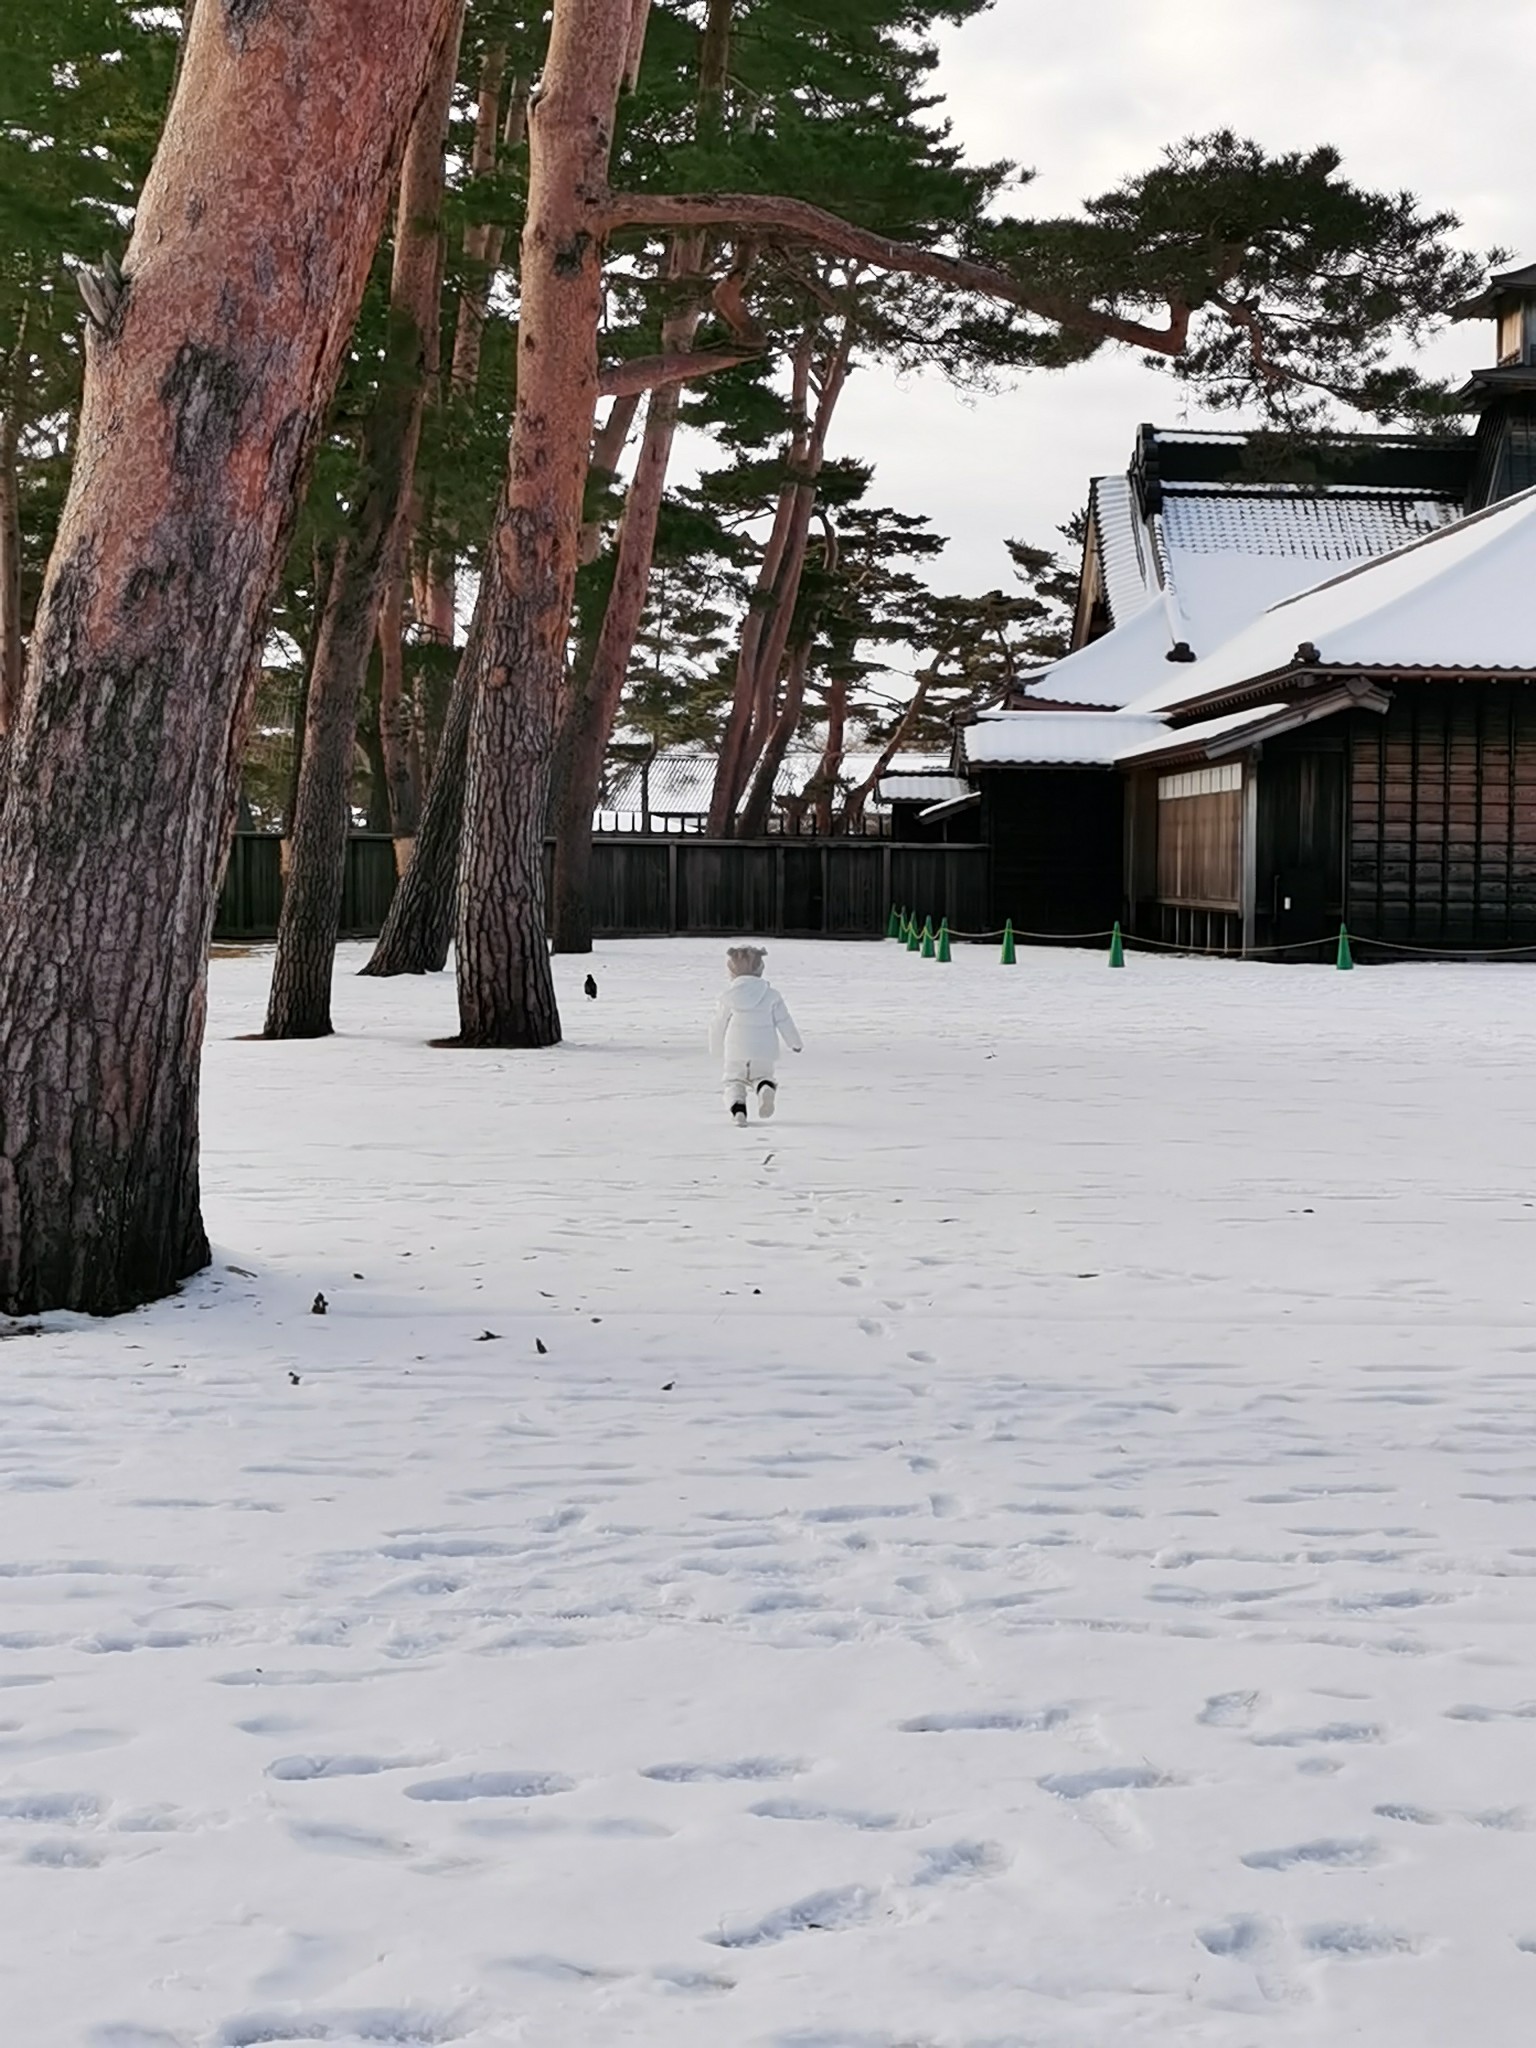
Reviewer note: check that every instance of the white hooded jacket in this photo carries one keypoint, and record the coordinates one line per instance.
(749, 1022)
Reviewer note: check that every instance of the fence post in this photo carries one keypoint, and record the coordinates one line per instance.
(672, 852)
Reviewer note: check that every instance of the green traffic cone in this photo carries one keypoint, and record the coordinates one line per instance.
(1116, 948)
(914, 936)
(893, 924)
(1009, 958)
(943, 953)
(1346, 958)
(927, 938)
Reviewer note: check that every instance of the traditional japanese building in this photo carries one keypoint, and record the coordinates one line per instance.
(1233, 794)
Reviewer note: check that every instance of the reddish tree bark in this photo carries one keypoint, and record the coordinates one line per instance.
(506, 995)
(823, 786)
(203, 395)
(418, 929)
(299, 1004)
(397, 721)
(10, 568)
(436, 566)
(765, 634)
(588, 722)
(755, 812)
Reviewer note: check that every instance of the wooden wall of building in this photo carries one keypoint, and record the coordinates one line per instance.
(1200, 836)
(1056, 836)
(1442, 816)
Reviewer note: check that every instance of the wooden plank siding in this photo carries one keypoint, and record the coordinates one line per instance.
(1441, 833)
(1199, 848)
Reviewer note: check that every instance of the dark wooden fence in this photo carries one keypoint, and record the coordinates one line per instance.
(837, 888)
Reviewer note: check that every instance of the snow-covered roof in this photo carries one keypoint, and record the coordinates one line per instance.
(1056, 739)
(1209, 732)
(679, 780)
(1229, 553)
(1213, 556)
(1125, 562)
(905, 787)
(1113, 669)
(1458, 599)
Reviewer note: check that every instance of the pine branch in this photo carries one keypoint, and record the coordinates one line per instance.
(650, 373)
(764, 214)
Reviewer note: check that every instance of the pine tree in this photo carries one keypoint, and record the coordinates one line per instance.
(209, 365)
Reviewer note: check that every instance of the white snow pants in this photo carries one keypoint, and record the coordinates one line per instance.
(742, 1078)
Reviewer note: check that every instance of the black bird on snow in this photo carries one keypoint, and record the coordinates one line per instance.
(590, 986)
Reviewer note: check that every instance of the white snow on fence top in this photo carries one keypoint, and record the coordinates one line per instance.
(1459, 599)
(1210, 560)
(1057, 739)
(920, 789)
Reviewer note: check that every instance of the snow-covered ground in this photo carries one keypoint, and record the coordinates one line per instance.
(1035, 1546)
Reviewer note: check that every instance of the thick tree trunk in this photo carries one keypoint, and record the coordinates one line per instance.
(588, 722)
(397, 722)
(418, 929)
(829, 767)
(437, 569)
(730, 772)
(299, 1005)
(770, 619)
(759, 804)
(506, 994)
(735, 765)
(10, 563)
(203, 396)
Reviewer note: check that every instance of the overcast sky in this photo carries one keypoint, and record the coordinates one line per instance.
(1415, 93)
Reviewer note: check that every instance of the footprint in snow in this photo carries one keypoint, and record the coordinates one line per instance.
(68, 1809)
(958, 1862)
(491, 1785)
(1006, 1720)
(1330, 1853)
(1229, 1709)
(63, 1855)
(835, 1816)
(125, 2034)
(1110, 1778)
(1351, 1939)
(299, 1769)
(381, 2027)
(1334, 1731)
(751, 1769)
(1259, 1943)
(827, 1912)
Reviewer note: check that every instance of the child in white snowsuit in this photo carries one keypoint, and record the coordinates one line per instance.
(749, 1022)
